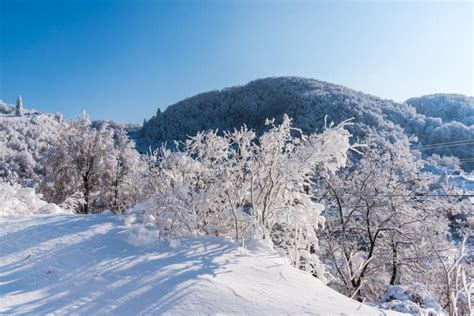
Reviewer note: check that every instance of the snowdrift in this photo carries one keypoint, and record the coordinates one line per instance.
(17, 200)
(76, 264)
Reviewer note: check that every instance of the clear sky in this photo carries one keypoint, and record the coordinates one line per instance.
(123, 59)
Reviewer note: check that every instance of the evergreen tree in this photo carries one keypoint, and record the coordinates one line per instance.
(19, 106)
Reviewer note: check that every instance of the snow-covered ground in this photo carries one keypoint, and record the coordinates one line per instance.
(71, 264)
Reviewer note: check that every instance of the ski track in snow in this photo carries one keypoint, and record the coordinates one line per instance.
(83, 264)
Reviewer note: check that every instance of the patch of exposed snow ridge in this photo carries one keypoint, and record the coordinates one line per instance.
(85, 265)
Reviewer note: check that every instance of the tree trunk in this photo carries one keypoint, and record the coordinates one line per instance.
(87, 195)
(394, 277)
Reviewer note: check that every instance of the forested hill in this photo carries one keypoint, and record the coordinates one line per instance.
(448, 107)
(308, 101)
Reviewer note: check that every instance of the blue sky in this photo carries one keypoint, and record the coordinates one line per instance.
(123, 59)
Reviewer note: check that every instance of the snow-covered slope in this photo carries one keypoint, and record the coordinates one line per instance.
(70, 264)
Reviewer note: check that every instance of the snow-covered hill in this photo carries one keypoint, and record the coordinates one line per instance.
(308, 101)
(448, 107)
(72, 264)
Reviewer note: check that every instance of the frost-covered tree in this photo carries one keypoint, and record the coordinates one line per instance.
(127, 174)
(24, 142)
(379, 216)
(94, 168)
(19, 106)
(81, 162)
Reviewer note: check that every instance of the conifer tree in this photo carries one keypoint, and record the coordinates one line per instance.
(19, 106)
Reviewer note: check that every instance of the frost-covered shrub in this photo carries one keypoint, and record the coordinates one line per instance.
(17, 200)
(243, 186)
(412, 299)
(6, 108)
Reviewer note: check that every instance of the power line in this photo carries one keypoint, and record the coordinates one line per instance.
(442, 146)
(402, 195)
(457, 142)
(438, 146)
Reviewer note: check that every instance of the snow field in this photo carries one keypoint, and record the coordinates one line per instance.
(72, 264)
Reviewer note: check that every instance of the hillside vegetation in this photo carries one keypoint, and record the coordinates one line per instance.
(311, 103)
